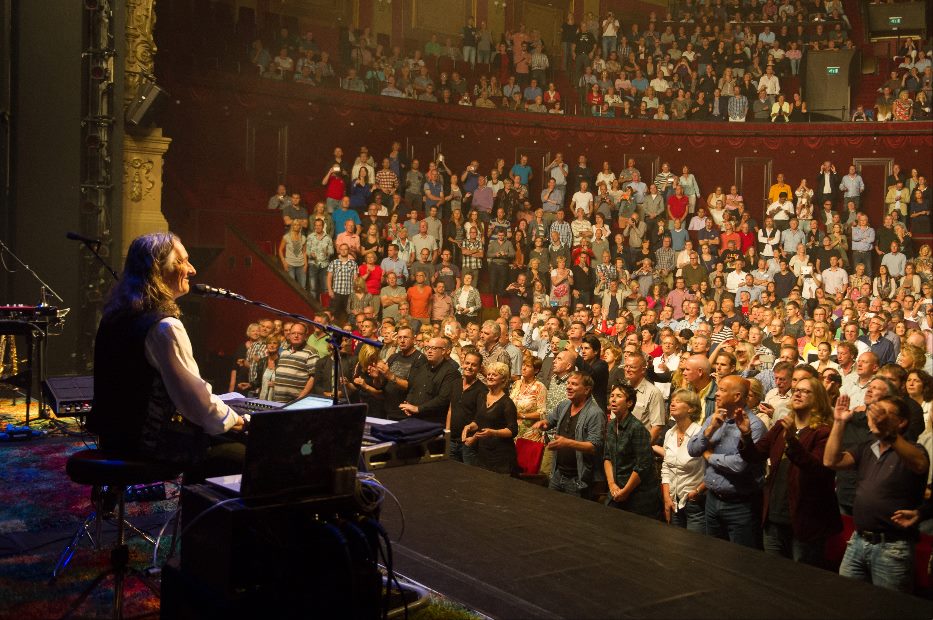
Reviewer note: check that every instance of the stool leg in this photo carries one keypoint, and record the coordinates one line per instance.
(119, 557)
(68, 552)
(177, 517)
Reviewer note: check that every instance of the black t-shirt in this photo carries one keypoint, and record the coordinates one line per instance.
(400, 365)
(884, 486)
(784, 284)
(567, 457)
(585, 42)
(821, 254)
(730, 256)
(447, 274)
(463, 410)
(568, 33)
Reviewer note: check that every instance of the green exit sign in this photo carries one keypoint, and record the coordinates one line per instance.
(894, 21)
(832, 70)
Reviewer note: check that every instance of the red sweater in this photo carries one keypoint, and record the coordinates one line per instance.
(811, 487)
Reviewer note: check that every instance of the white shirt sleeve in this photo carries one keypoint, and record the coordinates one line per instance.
(168, 350)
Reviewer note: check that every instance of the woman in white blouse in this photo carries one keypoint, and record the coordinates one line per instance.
(682, 485)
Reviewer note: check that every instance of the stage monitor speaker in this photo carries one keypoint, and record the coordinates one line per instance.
(70, 396)
(143, 110)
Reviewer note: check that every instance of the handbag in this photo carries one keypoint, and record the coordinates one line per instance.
(529, 454)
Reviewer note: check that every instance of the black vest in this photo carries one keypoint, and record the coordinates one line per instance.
(133, 415)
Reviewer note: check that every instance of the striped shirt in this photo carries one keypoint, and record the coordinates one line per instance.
(292, 372)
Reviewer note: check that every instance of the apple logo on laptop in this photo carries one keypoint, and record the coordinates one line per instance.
(306, 448)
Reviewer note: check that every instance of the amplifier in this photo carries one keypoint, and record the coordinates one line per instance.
(70, 395)
(313, 558)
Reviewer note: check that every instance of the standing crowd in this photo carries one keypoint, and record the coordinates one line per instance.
(651, 346)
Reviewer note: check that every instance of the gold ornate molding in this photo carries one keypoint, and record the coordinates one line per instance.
(137, 178)
(140, 45)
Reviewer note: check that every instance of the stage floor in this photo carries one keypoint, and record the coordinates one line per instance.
(511, 549)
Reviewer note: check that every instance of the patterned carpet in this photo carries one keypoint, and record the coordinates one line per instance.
(26, 594)
(39, 510)
(35, 493)
(39, 503)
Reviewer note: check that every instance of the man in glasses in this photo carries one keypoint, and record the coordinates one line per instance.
(433, 383)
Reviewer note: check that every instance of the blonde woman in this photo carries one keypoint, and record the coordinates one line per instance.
(367, 382)
(682, 486)
(744, 354)
(528, 394)
(493, 430)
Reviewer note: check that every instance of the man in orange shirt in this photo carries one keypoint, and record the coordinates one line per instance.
(419, 298)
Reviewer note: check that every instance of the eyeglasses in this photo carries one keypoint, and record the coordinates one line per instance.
(802, 391)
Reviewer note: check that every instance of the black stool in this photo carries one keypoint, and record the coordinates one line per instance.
(99, 469)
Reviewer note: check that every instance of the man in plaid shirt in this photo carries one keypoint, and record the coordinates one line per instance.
(472, 249)
(386, 180)
(562, 228)
(320, 247)
(665, 258)
(340, 276)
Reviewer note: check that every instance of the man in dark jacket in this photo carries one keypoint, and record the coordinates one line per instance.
(433, 383)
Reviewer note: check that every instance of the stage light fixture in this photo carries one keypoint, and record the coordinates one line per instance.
(93, 141)
(99, 72)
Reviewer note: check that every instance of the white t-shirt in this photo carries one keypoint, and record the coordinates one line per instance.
(582, 200)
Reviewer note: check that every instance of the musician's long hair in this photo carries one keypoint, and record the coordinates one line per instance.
(142, 288)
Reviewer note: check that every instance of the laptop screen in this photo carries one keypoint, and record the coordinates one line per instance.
(308, 402)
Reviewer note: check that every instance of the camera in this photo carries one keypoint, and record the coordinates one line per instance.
(549, 435)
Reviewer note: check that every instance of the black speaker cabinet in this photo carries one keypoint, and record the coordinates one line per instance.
(143, 110)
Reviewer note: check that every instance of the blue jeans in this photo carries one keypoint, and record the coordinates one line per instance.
(568, 485)
(469, 55)
(779, 540)
(736, 521)
(567, 56)
(887, 564)
(692, 517)
(317, 279)
(456, 450)
(609, 45)
(332, 204)
(299, 275)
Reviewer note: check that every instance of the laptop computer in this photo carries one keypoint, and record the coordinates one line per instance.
(297, 453)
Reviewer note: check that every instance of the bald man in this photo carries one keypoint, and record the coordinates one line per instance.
(733, 484)
(698, 373)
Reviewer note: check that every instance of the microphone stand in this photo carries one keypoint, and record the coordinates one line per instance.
(94, 248)
(31, 272)
(37, 349)
(335, 334)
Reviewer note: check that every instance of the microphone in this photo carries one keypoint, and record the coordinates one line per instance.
(76, 237)
(207, 290)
